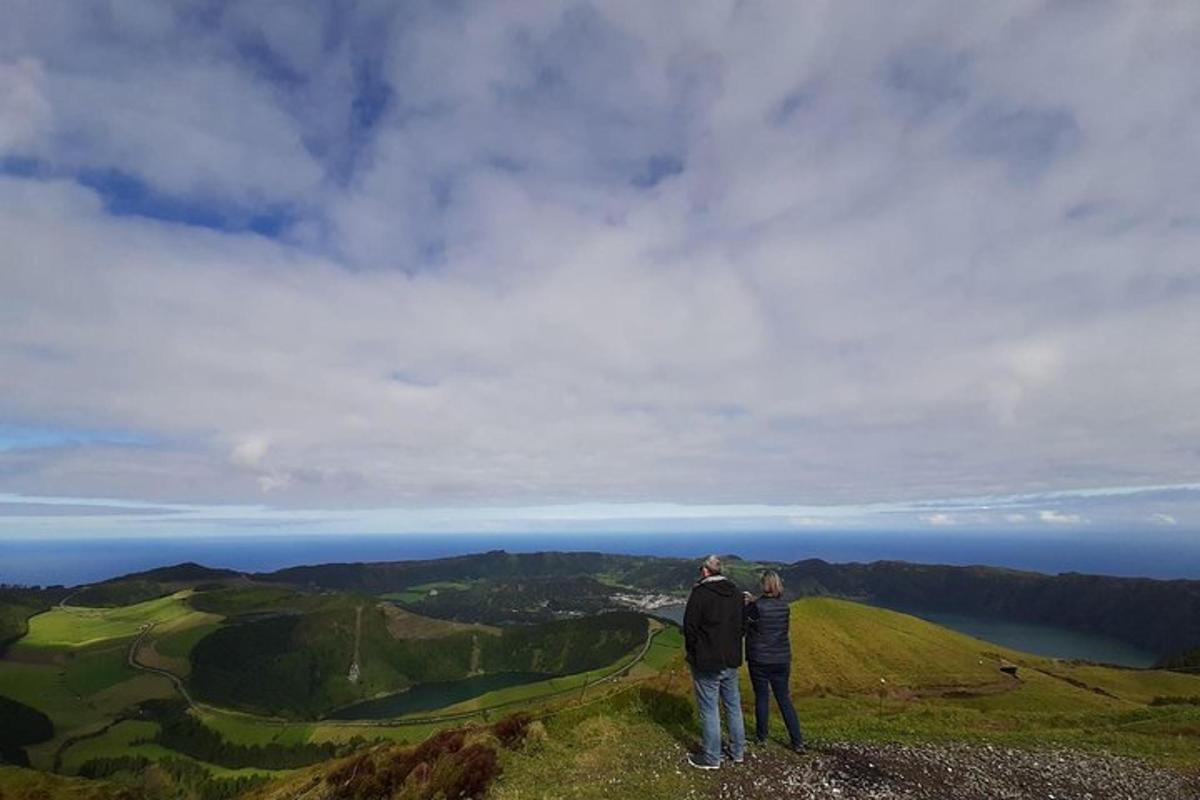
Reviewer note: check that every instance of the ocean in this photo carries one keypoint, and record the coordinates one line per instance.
(76, 561)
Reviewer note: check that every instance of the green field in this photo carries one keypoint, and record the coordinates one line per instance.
(113, 743)
(132, 738)
(72, 627)
(240, 728)
(91, 671)
(179, 644)
(414, 593)
(665, 649)
(940, 686)
(859, 673)
(26, 783)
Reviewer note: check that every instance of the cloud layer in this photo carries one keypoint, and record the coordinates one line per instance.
(432, 256)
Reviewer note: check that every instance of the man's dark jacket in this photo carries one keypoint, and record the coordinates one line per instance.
(767, 639)
(712, 625)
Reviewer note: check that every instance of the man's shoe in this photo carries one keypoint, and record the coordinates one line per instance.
(699, 763)
(800, 749)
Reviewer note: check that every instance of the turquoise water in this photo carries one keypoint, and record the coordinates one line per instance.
(432, 696)
(1042, 640)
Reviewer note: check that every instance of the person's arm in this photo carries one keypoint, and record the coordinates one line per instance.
(750, 612)
(691, 623)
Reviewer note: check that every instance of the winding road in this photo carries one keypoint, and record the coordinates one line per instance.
(171, 676)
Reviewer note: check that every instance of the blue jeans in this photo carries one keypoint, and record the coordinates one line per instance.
(768, 678)
(709, 687)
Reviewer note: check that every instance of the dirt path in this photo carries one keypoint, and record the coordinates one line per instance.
(356, 664)
(171, 676)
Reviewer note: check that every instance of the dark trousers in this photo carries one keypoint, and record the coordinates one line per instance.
(767, 678)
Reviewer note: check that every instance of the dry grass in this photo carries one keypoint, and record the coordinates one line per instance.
(402, 624)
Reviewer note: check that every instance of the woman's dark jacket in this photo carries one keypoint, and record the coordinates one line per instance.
(767, 639)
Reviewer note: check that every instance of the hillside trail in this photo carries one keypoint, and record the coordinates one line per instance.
(356, 664)
(938, 772)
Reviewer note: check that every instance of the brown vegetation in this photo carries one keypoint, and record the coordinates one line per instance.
(402, 624)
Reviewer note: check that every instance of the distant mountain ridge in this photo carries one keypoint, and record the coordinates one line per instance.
(1162, 616)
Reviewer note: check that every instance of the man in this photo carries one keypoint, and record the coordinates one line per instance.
(712, 632)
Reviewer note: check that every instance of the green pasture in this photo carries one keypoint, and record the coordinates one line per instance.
(132, 738)
(74, 627)
(250, 598)
(418, 592)
(83, 696)
(28, 784)
(246, 729)
(179, 644)
(399, 734)
(90, 671)
(113, 743)
(43, 687)
(665, 649)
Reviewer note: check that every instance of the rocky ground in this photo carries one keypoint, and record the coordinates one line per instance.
(943, 772)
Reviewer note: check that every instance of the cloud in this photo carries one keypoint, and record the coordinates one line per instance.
(25, 113)
(1158, 518)
(629, 254)
(1059, 518)
(249, 452)
(940, 519)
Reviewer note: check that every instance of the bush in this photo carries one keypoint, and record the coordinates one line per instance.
(442, 767)
(511, 730)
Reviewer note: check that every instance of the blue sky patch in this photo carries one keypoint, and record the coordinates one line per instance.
(24, 437)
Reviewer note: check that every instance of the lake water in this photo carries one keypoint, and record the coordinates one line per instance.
(1043, 640)
(432, 696)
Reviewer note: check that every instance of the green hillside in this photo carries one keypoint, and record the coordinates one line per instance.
(297, 665)
(843, 647)
(20, 783)
(860, 675)
(75, 626)
(941, 687)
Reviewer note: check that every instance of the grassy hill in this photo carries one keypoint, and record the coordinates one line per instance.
(296, 665)
(860, 675)
(18, 604)
(1162, 616)
(942, 690)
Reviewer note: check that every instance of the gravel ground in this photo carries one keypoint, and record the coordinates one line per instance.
(944, 772)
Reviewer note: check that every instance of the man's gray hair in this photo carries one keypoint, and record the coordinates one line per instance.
(713, 565)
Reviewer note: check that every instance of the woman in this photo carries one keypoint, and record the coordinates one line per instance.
(769, 655)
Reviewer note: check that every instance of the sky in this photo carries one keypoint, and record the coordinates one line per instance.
(439, 266)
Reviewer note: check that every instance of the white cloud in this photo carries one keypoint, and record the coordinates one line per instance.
(24, 111)
(1016, 519)
(249, 452)
(1059, 518)
(887, 260)
(1159, 518)
(940, 519)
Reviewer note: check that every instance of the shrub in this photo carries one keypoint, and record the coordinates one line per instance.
(511, 730)
(442, 767)
(468, 774)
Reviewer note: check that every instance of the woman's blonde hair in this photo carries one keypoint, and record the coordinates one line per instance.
(771, 583)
